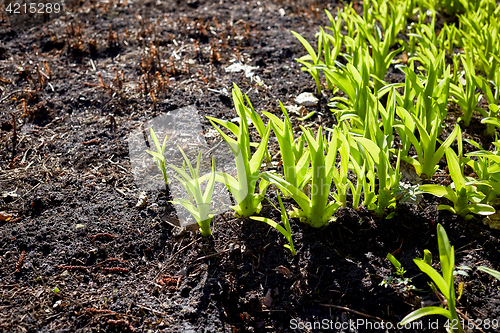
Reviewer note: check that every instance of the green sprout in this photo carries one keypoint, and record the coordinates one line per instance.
(427, 156)
(355, 84)
(285, 230)
(295, 159)
(400, 271)
(445, 284)
(467, 98)
(159, 154)
(381, 58)
(247, 165)
(312, 59)
(199, 203)
(315, 209)
(376, 146)
(487, 168)
(492, 96)
(462, 192)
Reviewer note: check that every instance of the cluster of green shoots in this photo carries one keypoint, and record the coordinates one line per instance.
(443, 285)
(199, 202)
(457, 66)
(369, 111)
(360, 158)
(379, 127)
(248, 169)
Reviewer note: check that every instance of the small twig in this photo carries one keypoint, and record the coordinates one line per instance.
(19, 263)
(113, 122)
(101, 81)
(353, 311)
(14, 136)
(118, 165)
(13, 93)
(149, 309)
(185, 247)
(176, 253)
(122, 323)
(110, 260)
(20, 197)
(444, 302)
(103, 236)
(73, 268)
(440, 297)
(114, 270)
(90, 142)
(231, 226)
(99, 311)
(212, 255)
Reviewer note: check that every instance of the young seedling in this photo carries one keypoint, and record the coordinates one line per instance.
(445, 284)
(247, 165)
(479, 27)
(256, 120)
(375, 149)
(426, 47)
(315, 210)
(466, 97)
(342, 183)
(492, 96)
(159, 154)
(295, 159)
(446, 38)
(427, 156)
(199, 203)
(400, 271)
(312, 59)
(380, 56)
(335, 39)
(285, 230)
(355, 84)
(250, 114)
(486, 166)
(388, 177)
(462, 192)
(364, 185)
(391, 14)
(431, 92)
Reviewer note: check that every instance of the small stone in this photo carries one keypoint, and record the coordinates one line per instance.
(142, 200)
(237, 120)
(295, 109)
(307, 99)
(238, 67)
(58, 304)
(10, 195)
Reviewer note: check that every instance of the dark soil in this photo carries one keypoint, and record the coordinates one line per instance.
(77, 255)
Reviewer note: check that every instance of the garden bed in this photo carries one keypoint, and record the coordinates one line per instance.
(80, 254)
